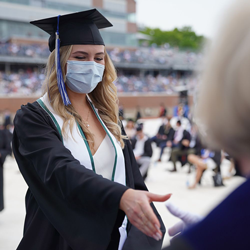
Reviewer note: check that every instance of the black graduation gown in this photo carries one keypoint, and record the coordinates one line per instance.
(69, 206)
(5, 149)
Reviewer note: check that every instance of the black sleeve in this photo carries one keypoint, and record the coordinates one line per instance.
(133, 142)
(148, 149)
(198, 145)
(160, 130)
(171, 134)
(68, 194)
(217, 158)
(187, 135)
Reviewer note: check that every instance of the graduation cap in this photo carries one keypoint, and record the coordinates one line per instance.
(75, 28)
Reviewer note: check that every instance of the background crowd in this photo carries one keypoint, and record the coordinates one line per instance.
(142, 55)
(26, 50)
(28, 82)
(24, 82)
(178, 136)
(165, 84)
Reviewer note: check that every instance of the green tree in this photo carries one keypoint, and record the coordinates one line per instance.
(184, 38)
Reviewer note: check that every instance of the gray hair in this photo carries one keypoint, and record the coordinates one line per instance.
(223, 105)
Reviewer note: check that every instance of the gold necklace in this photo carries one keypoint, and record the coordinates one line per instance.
(86, 121)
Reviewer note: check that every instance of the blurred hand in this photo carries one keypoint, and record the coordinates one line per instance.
(169, 144)
(185, 142)
(176, 142)
(136, 205)
(137, 157)
(187, 219)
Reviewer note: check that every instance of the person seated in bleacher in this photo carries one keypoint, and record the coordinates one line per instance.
(142, 149)
(207, 160)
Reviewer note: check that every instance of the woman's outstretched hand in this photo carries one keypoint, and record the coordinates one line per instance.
(136, 205)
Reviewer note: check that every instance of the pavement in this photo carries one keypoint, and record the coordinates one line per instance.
(200, 200)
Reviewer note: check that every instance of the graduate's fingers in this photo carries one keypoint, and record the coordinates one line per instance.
(142, 228)
(136, 204)
(148, 211)
(157, 197)
(150, 218)
(140, 218)
(142, 225)
(146, 230)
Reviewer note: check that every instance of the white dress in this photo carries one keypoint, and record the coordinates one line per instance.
(104, 158)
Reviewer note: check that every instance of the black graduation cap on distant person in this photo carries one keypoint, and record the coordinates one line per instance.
(76, 28)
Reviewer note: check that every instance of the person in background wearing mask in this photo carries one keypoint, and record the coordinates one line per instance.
(85, 190)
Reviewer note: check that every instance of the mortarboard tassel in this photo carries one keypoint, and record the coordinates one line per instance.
(60, 82)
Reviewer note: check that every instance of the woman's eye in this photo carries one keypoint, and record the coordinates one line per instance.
(80, 57)
(98, 59)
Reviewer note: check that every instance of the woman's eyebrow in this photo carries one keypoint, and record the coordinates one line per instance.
(85, 53)
(80, 52)
(100, 53)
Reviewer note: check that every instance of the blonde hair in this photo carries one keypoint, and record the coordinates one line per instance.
(223, 103)
(104, 98)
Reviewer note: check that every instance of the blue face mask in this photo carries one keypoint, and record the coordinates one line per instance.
(83, 76)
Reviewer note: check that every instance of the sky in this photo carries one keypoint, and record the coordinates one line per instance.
(202, 15)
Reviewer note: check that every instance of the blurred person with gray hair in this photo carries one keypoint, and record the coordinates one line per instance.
(222, 110)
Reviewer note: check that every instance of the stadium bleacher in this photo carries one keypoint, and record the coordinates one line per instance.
(145, 69)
